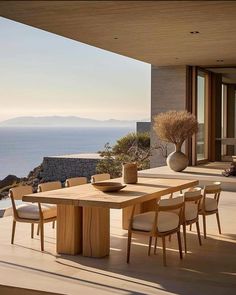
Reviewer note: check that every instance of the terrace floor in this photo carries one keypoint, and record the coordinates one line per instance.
(210, 269)
(206, 174)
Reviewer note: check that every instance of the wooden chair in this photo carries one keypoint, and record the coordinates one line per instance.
(100, 177)
(30, 213)
(160, 223)
(49, 186)
(75, 181)
(192, 200)
(209, 204)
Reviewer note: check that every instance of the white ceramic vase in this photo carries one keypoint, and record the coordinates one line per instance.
(177, 160)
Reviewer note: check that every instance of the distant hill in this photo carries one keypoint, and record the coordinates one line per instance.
(61, 121)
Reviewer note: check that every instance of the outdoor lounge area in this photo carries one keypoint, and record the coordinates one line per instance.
(205, 269)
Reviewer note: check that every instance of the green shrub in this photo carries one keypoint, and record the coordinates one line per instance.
(134, 147)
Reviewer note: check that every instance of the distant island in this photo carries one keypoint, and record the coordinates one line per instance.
(61, 121)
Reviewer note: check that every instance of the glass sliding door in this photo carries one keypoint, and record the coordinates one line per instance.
(202, 116)
(224, 118)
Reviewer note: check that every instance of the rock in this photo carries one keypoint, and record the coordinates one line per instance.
(35, 173)
(4, 195)
(35, 182)
(9, 181)
(33, 179)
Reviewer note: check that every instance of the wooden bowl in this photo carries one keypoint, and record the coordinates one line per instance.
(108, 186)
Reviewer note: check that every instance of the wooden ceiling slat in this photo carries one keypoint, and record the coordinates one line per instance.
(156, 32)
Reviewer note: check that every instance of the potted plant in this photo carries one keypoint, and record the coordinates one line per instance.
(175, 127)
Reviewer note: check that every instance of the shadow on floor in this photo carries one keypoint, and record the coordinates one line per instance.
(206, 269)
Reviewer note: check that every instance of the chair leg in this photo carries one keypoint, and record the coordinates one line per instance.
(218, 222)
(180, 245)
(169, 238)
(155, 247)
(190, 228)
(32, 230)
(128, 246)
(42, 235)
(53, 224)
(13, 231)
(38, 229)
(164, 250)
(150, 245)
(198, 233)
(204, 225)
(185, 238)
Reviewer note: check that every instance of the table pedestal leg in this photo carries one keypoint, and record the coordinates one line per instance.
(69, 229)
(96, 231)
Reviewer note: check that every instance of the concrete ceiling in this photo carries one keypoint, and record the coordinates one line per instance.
(157, 32)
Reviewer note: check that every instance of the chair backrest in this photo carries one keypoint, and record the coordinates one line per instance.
(213, 189)
(172, 204)
(16, 193)
(100, 177)
(194, 195)
(75, 181)
(49, 186)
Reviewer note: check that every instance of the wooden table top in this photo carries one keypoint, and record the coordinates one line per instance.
(86, 195)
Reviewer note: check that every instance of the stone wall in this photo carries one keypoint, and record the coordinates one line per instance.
(143, 127)
(67, 166)
(168, 92)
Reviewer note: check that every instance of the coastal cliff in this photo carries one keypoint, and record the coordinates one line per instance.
(33, 179)
(54, 169)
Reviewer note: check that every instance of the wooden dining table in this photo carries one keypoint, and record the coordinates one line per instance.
(83, 212)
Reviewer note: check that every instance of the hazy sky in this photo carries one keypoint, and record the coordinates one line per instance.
(46, 74)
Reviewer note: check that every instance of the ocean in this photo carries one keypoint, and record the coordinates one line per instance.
(22, 149)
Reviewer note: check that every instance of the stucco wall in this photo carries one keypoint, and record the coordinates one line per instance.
(168, 92)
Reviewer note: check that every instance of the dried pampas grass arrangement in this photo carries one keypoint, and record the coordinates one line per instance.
(175, 127)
